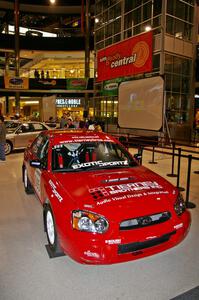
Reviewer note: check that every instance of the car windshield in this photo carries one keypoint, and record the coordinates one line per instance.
(11, 125)
(86, 156)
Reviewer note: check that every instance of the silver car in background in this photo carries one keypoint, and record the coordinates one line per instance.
(11, 125)
(20, 136)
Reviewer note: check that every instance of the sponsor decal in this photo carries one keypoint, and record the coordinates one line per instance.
(129, 57)
(178, 226)
(99, 164)
(113, 242)
(91, 254)
(126, 187)
(99, 196)
(54, 191)
(83, 139)
(145, 188)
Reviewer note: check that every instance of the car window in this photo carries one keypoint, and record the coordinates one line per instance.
(23, 128)
(11, 124)
(38, 126)
(85, 156)
(38, 146)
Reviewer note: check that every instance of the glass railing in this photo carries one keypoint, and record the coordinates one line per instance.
(48, 73)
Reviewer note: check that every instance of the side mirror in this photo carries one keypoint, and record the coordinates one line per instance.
(138, 157)
(36, 164)
(19, 131)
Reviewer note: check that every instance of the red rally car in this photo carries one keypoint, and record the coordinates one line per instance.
(99, 205)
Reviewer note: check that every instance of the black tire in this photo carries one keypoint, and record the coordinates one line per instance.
(8, 147)
(27, 185)
(51, 232)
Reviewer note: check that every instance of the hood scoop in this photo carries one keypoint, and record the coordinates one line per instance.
(121, 179)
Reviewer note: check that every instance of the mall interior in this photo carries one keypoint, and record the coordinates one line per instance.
(51, 62)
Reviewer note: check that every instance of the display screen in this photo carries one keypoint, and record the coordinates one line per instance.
(140, 104)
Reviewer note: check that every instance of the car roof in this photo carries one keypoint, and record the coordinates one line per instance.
(60, 136)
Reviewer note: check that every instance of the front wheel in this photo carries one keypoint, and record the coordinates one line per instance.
(8, 147)
(27, 185)
(50, 228)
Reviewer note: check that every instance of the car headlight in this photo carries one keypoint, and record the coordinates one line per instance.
(179, 205)
(88, 221)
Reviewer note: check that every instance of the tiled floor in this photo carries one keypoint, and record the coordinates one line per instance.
(27, 273)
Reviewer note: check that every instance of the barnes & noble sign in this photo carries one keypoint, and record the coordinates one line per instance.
(69, 102)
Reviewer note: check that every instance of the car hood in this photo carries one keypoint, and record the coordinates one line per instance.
(121, 190)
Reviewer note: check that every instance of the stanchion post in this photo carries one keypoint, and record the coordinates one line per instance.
(153, 157)
(187, 202)
(178, 172)
(172, 164)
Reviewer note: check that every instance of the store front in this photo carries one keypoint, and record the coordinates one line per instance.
(29, 107)
(74, 105)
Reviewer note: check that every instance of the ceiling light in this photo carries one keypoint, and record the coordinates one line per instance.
(31, 102)
(52, 1)
(75, 24)
(148, 28)
(96, 20)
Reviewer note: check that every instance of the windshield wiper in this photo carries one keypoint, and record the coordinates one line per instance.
(65, 170)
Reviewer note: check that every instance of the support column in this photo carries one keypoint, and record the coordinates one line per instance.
(7, 55)
(87, 50)
(17, 52)
(7, 105)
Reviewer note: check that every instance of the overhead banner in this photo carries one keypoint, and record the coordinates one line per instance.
(77, 84)
(129, 57)
(18, 83)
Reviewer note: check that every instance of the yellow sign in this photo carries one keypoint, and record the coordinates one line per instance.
(17, 83)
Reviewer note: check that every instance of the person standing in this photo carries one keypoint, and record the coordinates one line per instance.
(63, 120)
(2, 139)
(42, 74)
(36, 74)
(69, 124)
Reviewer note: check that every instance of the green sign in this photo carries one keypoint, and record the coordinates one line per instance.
(77, 83)
(110, 87)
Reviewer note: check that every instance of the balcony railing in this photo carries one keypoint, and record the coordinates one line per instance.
(49, 73)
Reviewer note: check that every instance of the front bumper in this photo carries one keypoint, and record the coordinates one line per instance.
(126, 246)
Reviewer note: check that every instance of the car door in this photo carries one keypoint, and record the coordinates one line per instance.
(40, 153)
(27, 132)
(22, 135)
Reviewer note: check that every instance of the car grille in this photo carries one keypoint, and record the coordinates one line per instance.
(128, 248)
(145, 221)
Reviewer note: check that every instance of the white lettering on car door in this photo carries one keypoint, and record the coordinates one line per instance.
(38, 182)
